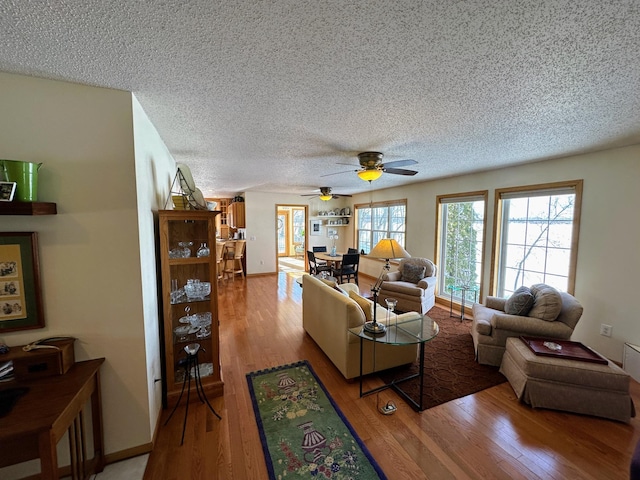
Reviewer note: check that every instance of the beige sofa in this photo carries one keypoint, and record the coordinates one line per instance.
(327, 316)
(492, 326)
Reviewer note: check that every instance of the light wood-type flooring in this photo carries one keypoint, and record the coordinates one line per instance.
(482, 436)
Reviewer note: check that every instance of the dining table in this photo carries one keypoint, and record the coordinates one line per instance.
(334, 260)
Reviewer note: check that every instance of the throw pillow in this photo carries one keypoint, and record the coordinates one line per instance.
(520, 302)
(344, 292)
(547, 302)
(365, 304)
(412, 273)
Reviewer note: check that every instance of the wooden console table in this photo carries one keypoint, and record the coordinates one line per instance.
(52, 406)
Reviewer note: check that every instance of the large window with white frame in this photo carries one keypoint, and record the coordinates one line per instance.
(461, 233)
(379, 220)
(537, 236)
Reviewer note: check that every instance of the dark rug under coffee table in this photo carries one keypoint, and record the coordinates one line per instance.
(450, 369)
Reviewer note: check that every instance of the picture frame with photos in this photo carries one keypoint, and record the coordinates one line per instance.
(20, 288)
(7, 191)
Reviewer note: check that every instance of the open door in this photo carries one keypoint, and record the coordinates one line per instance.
(291, 221)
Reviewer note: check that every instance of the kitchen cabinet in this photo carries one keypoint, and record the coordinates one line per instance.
(189, 319)
(235, 215)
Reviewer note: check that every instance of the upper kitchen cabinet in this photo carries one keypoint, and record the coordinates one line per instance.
(235, 215)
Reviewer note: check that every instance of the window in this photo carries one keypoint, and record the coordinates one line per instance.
(461, 230)
(537, 236)
(380, 220)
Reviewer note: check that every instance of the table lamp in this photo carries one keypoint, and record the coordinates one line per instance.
(386, 248)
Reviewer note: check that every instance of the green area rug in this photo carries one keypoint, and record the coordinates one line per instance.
(303, 432)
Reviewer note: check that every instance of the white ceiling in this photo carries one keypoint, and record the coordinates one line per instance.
(269, 95)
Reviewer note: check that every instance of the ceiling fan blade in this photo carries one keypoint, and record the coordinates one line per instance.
(399, 171)
(310, 195)
(400, 163)
(338, 173)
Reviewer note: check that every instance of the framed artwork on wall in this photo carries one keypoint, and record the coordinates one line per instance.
(20, 296)
(315, 227)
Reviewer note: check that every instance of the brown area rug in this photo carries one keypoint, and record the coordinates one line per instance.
(450, 369)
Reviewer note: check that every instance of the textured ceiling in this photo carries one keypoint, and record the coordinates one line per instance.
(271, 95)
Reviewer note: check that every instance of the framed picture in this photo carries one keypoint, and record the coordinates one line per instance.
(20, 296)
(315, 227)
(7, 191)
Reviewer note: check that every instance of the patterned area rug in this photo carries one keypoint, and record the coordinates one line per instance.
(450, 369)
(303, 432)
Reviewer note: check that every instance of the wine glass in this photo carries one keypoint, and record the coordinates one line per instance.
(391, 306)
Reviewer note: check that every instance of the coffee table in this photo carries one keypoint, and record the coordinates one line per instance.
(416, 331)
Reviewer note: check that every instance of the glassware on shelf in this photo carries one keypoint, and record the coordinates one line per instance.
(197, 290)
(203, 251)
(186, 248)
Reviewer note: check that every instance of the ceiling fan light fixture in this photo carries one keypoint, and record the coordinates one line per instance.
(326, 198)
(370, 175)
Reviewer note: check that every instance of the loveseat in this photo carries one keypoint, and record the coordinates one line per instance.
(545, 313)
(413, 285)
(327, 316)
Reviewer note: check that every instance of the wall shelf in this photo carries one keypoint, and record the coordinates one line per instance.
(28, 208)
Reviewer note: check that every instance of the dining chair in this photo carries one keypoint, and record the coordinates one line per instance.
(314, 267)
(352, 250)
(348, 268)
(322, 248)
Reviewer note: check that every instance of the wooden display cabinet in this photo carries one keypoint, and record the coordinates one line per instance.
(197, 226)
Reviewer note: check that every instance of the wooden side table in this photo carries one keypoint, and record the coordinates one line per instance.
(52, 406)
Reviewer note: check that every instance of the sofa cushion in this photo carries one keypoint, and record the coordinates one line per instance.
(412, 273)
(365, 304)
(547, 302)
(520, 302)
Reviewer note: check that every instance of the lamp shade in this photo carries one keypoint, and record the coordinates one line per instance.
(326, 198)
(388, 248)
(370, 175)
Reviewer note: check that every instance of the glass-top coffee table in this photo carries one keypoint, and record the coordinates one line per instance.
(417, 331)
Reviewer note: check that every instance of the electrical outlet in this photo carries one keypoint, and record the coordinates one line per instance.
(605, 329)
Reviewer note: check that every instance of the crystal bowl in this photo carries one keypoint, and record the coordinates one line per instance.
(197, 290)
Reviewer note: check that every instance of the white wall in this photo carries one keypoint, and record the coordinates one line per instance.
(608, 258)
(155, 171)
(96, 284)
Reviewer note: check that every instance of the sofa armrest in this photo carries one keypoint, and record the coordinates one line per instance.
(392, 276)
(496, 303)
(349, 287)
(530, 326)
(427, 282)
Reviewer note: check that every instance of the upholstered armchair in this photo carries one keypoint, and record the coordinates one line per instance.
(540, 311)
(413, 285)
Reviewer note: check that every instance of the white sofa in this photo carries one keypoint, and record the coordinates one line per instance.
(327, 316)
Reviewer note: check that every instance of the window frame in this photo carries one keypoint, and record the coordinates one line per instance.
(537, 189)
(463, 197)
(386, 203)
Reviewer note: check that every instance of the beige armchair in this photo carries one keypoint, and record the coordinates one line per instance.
(552, 314)
(413, 285)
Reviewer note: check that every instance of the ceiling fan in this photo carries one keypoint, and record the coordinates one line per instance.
(325, 194)
(373, 168)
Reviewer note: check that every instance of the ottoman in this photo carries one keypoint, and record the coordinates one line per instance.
(568, 385)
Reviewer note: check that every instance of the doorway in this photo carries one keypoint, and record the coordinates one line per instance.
(291, 240)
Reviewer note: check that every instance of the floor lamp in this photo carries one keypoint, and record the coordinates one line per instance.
(387, 248)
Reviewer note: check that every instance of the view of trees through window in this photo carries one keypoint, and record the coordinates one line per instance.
(536, 235)
(461, 243)
(378, 221)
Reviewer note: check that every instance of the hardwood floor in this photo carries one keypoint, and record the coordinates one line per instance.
(485, 435)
